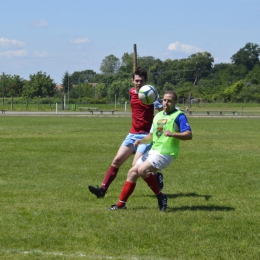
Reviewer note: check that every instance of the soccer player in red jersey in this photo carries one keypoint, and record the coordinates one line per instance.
(142, 118)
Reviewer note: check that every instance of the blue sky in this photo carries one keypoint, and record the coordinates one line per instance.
(61, 35)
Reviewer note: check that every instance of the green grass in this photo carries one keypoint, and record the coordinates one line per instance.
(47, 212)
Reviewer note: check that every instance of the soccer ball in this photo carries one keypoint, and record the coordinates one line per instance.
(147, 94)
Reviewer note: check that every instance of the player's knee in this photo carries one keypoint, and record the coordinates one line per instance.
(133, 174)
(144, 173)
(117, 162)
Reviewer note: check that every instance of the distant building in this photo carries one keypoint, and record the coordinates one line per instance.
(58, 87)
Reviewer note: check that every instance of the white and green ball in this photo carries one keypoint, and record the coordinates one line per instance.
(148, 94)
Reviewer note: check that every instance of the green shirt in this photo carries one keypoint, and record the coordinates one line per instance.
(164, 144)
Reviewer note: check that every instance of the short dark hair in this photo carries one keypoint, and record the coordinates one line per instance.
(171, 92)
(140, 72)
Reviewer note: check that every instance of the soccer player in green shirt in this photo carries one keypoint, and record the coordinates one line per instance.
(168, 128)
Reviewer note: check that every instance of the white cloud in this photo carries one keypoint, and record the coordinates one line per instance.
(17, 53)
(80, 40)
(38, 23)
(7, 43)
(180, 47)
(40, 54)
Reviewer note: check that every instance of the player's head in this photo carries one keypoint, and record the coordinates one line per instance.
(139, 77)
(141, 72)
(173, 93)
(169, 101)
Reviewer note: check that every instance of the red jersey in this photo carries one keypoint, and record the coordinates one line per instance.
(142, 115)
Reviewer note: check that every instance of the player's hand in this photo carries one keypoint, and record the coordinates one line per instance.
(137, 142)
(167, 133)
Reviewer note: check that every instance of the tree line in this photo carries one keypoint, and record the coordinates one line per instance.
(195, 77)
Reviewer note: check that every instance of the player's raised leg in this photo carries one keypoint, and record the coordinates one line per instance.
(124, 152)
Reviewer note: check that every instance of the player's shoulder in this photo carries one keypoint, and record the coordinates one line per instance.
(159, 113)
(133, 90)
(180, 116)
(182, 122)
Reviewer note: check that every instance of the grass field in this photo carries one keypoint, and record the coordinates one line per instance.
(47, 211)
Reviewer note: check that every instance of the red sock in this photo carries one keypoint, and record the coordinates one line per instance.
(126, 192)
(109, 177)
(153, 184)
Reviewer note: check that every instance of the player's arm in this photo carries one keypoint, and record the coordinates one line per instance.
(184, 132)
(158, 105)
(186, 135)
(148, 139)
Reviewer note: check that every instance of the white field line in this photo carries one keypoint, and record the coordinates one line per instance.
(75, 255)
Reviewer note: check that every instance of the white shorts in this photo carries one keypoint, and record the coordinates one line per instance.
(158, 161)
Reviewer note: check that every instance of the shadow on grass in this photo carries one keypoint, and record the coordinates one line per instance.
(201, 208)
(191, 194)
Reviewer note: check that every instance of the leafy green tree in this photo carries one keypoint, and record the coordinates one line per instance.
(231, 74)
(127, 63)
(66, 83)
(184, 91)
(39, 85)
(253, 76)
(120, 88)
(83, 76)
(100, 91)
(154, 74)
(256, 96)
(13, 85)
(216, 81)
(110, 64)
(17, 87)
(219, 67)
(248, 94)
(170, 72)
(248, 56)
(167, 86)
(231, 93)
(113, 90)
(201, 60)
(125, 85)
(146, 62)
(239, 71)
(83, 91)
